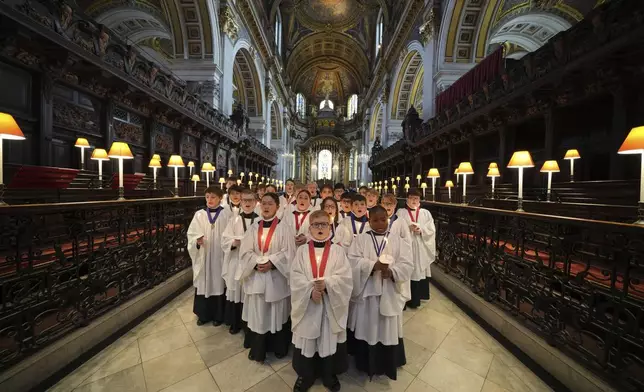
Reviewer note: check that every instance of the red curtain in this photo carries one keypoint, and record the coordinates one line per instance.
(471, 82)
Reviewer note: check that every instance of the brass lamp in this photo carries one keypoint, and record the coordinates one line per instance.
(195, 179)
(155, 164)
(520, 160)
(449, 185)
(221, 182)
(464, 169)
(493, 173)
(176, 162)
(549, 167)
(571, 155)
(207, 168)
(418, 177)
(423, 186)
(456, 172)
(82, 143)
(230, 172)
(433, 174)
(634, 144)
(120, 151)
(100, 155)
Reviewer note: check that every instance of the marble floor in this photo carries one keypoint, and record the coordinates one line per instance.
(446, 352)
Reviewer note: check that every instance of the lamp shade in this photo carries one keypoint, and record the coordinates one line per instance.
(195, 177)
(175, 161)
(521, 159)
(191, 164)
(120, 150)
(221, 180)
(634, 143)
(9, 128)
(157, 157)
(456, 171)
(154, 163)
(465, 168)
(433, 173)
(493, 165)
(572, 154)
(449, 184)
(550, 167)
(493, 172)
(207, 167)
(100, 154)
(81, 142)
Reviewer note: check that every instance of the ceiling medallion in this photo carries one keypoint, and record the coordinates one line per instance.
(339, 15)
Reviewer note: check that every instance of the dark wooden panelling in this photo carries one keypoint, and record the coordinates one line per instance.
(16, 93)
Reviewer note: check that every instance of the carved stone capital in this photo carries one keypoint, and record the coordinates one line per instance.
(228, 22)
(427, 29)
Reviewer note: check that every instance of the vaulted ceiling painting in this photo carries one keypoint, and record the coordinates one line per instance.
(327, 52)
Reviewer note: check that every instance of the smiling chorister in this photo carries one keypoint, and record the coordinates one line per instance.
(423, 245)
(381, 265)
(266, 252)
(321, 284)
(204, 247)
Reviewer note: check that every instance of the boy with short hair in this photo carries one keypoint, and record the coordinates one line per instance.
(234, 198)
(372, 198)
(345, 204)
(338, 191)
(230, 181)
(298, 217)
(261, 190)
(381, 264)
(422, 232)
(326, 191)
(357, 222)
(321, 285)
(363, 190)
(390, 204)
(204, 246)
(312, 187)
(230, 243)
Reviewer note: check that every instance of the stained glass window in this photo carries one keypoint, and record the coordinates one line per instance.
(325, 164)
(278, 33)
(379, 31)
(326, 102)
(300, 106)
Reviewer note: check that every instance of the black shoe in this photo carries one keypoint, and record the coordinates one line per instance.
(200, 322)
(302, 385)
(233, 331)
(216, 323)
(280, 356)
(332, 384)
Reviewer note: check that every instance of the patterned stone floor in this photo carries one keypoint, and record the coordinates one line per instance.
(446, 352)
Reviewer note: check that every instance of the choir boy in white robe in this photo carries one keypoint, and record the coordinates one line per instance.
(363, 190)
(266, 253)
(230, 181)
(312, 187)
(289, 193)
(298, 218)
(231, 241)
(390, 204)
(423, 241)
(345, 204)
(261, 191)
(269, 189)
(204, 246)
(372, 199)
(339, 233)
(234, 199)
(338, 191)
(321, 284)
(357, 222)
(381, 265)
(326, 191)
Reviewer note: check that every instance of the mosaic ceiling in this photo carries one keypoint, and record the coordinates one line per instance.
(327, 46)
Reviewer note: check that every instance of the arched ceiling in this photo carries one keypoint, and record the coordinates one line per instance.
(174, 28)
(328, 46)
(474, 22)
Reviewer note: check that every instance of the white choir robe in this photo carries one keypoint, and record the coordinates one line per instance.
(342, 236)
(375, 311)
(318, 328)
(207, 261)
(346, 223)
(234, 230)
(289, 218)
(316, 203)
(423, 245)
(266, 295)
(285, 204)
(258, 208)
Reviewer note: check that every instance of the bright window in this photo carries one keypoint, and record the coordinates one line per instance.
(326, 102)
(325, 164)
(379, 31)
(300, 106)
(278, 32)
(352, 106)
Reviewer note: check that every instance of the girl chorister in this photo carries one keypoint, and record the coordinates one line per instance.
(266, 253)
(298, 217)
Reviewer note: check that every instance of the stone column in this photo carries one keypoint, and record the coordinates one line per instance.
(429, 40)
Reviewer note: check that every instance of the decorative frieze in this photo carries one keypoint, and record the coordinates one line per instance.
(228, 23)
